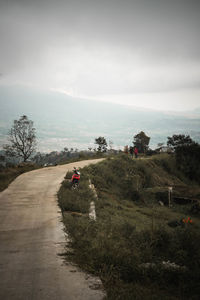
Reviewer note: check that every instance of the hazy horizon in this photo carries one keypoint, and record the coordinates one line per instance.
(144, 105)
(65, 121)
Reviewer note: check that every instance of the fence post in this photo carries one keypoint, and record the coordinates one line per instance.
(170, 195)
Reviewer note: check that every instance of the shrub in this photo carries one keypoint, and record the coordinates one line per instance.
(75, 200)
(187, 159)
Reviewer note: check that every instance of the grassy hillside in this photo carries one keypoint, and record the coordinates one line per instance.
(140, 248)
(7, 175)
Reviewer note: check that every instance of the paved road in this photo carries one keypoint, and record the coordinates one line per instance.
(32, 236)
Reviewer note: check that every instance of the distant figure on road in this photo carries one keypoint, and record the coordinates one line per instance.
(136, 152)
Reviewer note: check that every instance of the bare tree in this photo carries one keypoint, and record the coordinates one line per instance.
(111, 144)
(22, 139)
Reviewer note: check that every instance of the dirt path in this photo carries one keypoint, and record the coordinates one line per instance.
(31, 237)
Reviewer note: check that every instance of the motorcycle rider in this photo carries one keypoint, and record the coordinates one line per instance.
(75, 177)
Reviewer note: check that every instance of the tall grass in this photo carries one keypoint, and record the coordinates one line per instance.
(131, 239)
(75, 200)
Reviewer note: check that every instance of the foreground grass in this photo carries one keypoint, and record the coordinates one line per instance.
(133, 234)
(7, 175)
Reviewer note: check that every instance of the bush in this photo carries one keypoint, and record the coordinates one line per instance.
(187, 159)
(75, 200)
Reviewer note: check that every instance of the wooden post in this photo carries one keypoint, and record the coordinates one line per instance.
(137, 180)
(169, 195)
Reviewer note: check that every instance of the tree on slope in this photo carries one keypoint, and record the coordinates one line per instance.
(22, 139)
(101, 141)
(188, 160)
(141, 141)
(179, 140)
(187, 154)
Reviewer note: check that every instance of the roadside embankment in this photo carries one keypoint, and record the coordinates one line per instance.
(136, 246)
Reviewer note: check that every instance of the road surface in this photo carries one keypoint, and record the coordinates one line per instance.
(31, 239)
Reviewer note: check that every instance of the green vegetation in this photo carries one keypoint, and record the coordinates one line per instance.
(178, 140)
(101, 142)
(75, 200)
(141, 141)
(140, 249)
(7, 175)
(188, 160)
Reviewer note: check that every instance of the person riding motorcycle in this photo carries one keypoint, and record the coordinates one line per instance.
(75, 177)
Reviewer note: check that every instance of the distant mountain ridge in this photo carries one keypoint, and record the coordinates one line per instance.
(63, 121)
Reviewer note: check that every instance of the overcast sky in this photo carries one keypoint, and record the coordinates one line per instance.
(139, 52)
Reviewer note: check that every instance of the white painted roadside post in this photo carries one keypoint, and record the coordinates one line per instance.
(170, 188)
(92, 212)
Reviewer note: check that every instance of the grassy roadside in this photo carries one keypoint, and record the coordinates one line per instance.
(134, 237)
(7, 175)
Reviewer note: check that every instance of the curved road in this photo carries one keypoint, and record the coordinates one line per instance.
(32, 237)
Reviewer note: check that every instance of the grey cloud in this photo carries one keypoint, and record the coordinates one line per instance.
(159, 30)
(153, 25)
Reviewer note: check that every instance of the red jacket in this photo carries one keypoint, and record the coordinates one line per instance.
(75, 176)
(136, 150)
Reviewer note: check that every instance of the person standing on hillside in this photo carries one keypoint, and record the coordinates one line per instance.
(136, 152)
(131, 150)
